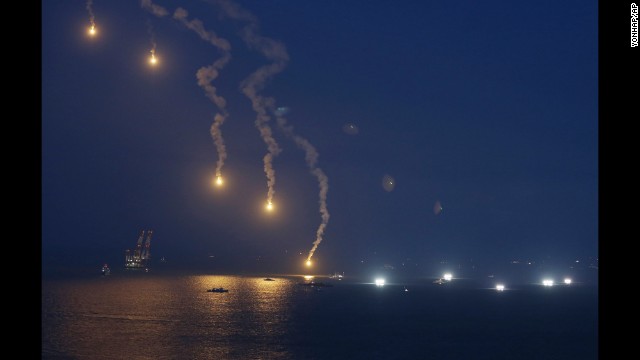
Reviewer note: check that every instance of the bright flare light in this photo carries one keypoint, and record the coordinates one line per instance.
(152, 59)
(567, 281)
(448, 276)
(500, 287)
(547, 282)
(269, 206)
(308, 262)
(379, 282)
(92, 30)
(308, 277)
(219, 181)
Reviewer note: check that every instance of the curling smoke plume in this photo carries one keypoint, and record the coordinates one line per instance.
(251, 86)
(156, 10)
(311, 157)
(92, 18)
(152, 35)
(206, 74)
(277, 53)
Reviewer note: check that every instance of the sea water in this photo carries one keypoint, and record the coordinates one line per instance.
(130, 315)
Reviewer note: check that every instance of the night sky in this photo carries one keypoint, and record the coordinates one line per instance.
(487, 109)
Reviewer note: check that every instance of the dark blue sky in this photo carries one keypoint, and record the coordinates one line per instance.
(489, 108)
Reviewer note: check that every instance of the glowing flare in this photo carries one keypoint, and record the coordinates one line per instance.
(379, 282)
(152, 59)
(308, 262)
(448, 277)
(92, 30)
(567, 281)
(547, 282)
(269, 206)
(219, 181)
(500, 287)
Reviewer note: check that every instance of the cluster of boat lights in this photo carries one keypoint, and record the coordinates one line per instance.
(499, 287)
(550, 282)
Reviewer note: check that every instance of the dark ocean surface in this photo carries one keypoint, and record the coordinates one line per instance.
(130, 315)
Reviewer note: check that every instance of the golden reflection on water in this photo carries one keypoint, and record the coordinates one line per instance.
(252, 294)
(170, 317)
(253, 308)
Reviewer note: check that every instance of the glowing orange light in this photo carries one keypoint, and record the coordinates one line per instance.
(308, 262)
(219, 181)
(269, 206)
(92, 30)
(153, 59)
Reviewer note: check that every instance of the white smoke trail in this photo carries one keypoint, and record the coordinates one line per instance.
(275, 52)
(92, 18)
(206, 74)
(156, 10)
(152, 35)
(311, 157)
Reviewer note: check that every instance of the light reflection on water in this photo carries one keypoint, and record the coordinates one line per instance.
(145, 317)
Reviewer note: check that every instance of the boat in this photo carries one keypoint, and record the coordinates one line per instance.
(315, 284)
(105, 270)
(269, 279)
(219, 290)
